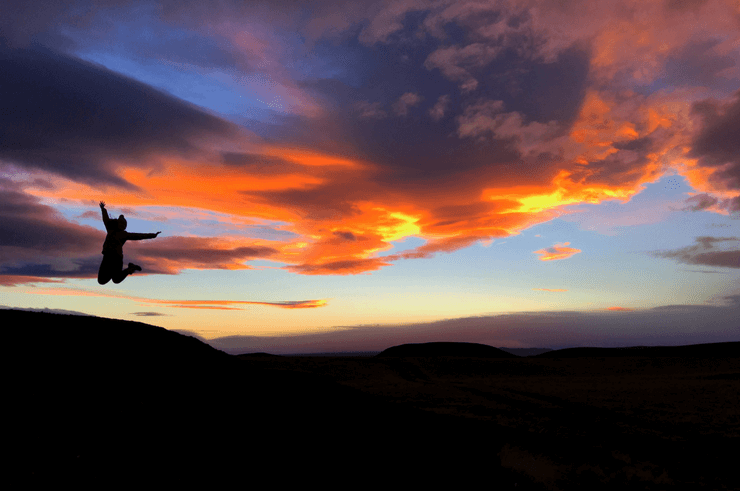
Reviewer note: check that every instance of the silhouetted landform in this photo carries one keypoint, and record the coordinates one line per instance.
(367, 354)
(260, 355)
(45, 310)
(464, 350)
(99, 400)
(361, 354)
(709, 350)
(526, 351)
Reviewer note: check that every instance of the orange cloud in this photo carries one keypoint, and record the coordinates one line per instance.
(621, 309)
(558, 251)
(224, 304)
(343, 216)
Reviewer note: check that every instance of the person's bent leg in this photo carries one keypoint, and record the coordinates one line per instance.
(104, 272)
(118, 274)
(121, 275)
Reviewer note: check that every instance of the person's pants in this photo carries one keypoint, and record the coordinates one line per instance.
(111, 268)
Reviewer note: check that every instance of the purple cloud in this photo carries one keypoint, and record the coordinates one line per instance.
(705, 253)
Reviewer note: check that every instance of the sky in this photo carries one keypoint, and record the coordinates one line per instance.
(350, 175)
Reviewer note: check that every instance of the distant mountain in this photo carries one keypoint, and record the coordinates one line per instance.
(466, 350)
(353, 354)
(709, 350)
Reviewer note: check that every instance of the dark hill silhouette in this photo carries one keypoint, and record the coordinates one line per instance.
(438, 349)
(526, 351)
(260, 354)
(709, 350)
(99, 400)
(96, 400)
(627, 422)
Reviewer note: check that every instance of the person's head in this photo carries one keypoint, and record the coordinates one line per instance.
(121, 223)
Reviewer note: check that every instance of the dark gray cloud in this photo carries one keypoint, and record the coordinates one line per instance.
(707, 253)
(192, 49)
(629, 165)
(330, 201)
(346, 235)
(169, 255)
(717, 144)
(705, 201)
(700, 202)
(638, 144)
(684, 4)
(71, 117)
(36, 240)
(22, 21)
(418, 146)
(733, 204)
(54, 267)
(696, 64)
(624, 167)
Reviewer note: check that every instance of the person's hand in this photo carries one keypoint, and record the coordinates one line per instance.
(102, 204)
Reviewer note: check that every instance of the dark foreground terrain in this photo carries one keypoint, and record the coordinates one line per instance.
(99, 401)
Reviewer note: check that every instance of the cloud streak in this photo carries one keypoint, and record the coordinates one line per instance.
(190, 304)
(227, 304)
(706, 252)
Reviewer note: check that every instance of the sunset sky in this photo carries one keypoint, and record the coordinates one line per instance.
(350, 175)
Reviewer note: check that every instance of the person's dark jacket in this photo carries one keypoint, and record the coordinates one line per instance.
(116, 238)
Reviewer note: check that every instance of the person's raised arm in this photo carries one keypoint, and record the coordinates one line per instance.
(106, 218)
(134, 236)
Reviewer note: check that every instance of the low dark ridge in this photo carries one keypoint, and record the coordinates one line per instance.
(338, 354)
(261, 354)
(93, 400)
(524, 352)
(467, 350)
(98, 399)
(709, 350)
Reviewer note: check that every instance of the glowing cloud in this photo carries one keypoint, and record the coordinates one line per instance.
(556, 252)
(225, 304)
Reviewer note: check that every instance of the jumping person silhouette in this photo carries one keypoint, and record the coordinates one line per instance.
(112, 264)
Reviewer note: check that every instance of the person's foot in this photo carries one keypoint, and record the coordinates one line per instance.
(133, 267)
